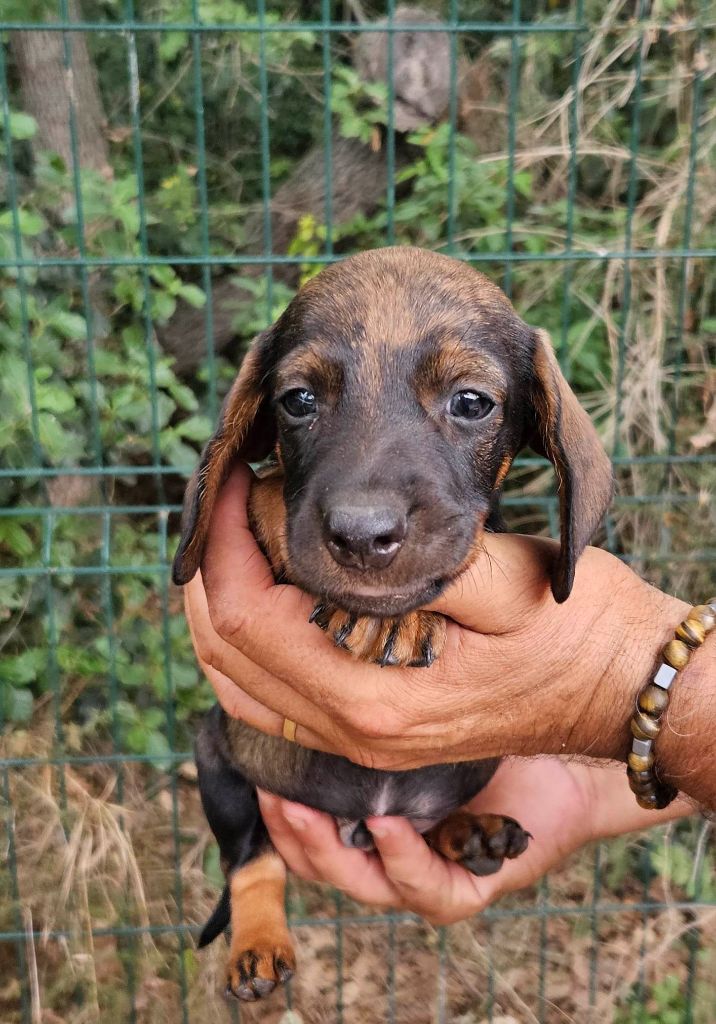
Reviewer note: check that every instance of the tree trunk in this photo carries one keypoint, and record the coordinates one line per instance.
(48, 88)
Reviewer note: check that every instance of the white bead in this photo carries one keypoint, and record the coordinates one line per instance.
(641, 747)
(665, 676)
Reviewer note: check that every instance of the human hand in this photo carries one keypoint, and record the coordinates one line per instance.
(563, 804)
(519, 673)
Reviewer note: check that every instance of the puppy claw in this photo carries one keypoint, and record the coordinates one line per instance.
(427, 656)
(388, 655)
(341, 635)
(284, 970)
(416, 639)
(316, 612)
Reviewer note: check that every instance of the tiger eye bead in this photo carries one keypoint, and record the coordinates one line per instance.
(676, 653)
(641, 787)
(661, 797)
(640, 762)
(691, 632)
(643, 727)
(703, 614)
(653, 700)
(650, 791)
(649, 801)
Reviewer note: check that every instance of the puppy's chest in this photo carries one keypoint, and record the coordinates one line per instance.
(348, 791)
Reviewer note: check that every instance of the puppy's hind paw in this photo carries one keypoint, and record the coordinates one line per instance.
(480, 842)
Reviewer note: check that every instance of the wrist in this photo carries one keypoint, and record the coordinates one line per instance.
(686, 748)
(635, 624)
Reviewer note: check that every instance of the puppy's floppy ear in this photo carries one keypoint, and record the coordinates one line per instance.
(246, 430)
(565, 434)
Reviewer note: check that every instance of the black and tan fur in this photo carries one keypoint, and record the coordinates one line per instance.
(382, 340)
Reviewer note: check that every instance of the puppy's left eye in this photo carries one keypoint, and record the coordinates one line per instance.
(299, 402)
(470, 405)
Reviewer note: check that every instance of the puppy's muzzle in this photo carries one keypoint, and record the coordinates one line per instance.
(364, 536)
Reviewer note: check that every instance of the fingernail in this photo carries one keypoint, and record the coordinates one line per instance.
(296, 822)
(295, 815)
(379, 831)
(267, 800)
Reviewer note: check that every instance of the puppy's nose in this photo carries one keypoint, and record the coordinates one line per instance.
(364, 537)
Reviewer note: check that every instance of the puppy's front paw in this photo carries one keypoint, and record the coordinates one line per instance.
(480, 842)
(255, 972)
(416, 639)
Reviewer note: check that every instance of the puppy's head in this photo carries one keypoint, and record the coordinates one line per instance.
(396, 389)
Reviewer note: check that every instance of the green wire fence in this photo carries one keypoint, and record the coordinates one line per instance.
(241, 148)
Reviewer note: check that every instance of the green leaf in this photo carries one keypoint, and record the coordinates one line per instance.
(193, 295)
(22, 126)
(523, 183)
(54, 398)
(157, 746)
(29, 221)
(176, 453)
(163, 306)
(59, 444)
(16, 538)
(183, 396)
(20, 669)
(196, 428)
(185, 677)
(70, 325)
(212, 864)
(171, 45)
(21, 702)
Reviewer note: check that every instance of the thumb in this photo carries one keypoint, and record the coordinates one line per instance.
(504, 584)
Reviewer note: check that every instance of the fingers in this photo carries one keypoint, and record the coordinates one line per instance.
(426, 883)
(237, 576)
(248, 691)
(304, 677)
(222, 664)
(285, 837)
(308, 841)
(233, 700)
(404, 873)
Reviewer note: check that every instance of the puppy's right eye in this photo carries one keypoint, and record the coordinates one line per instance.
(470, 405)
(299, 402)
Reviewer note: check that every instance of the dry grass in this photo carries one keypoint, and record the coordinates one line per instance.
(89, 862)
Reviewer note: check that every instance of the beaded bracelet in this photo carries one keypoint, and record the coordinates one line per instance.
(652, 703)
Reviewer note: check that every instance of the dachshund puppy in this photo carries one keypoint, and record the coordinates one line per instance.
(390, 398)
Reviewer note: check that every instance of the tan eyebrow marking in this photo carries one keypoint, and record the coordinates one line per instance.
(451, 362)
(312, 366)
